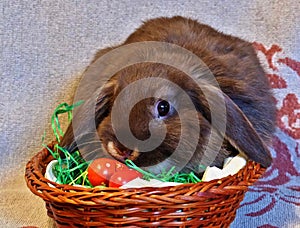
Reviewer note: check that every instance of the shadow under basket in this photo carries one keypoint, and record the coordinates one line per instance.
(205, 204)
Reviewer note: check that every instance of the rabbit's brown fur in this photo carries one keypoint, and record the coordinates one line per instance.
(233, 62)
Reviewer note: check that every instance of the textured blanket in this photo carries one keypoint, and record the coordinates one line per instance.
(46, 45)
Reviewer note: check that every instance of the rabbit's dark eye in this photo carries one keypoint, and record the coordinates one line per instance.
(163, 108)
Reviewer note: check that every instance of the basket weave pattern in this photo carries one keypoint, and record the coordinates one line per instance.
(205, 204)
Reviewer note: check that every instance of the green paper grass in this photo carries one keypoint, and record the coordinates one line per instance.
(71, 168)
(166, 176)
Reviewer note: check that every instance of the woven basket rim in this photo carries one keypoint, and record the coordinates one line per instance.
(41, 186)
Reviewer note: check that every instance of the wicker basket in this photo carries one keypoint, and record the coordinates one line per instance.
(206, 204)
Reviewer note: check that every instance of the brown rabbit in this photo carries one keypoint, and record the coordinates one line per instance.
(250, 109)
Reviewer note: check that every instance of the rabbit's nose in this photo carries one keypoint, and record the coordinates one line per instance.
(120, 152)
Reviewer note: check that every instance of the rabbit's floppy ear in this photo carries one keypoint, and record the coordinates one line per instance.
(239, 132)
(86, 134)
(105, 100)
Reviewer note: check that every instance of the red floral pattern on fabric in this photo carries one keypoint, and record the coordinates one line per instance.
(290, 112)
(281, 182)
(267, 226)
(276, 81)
(292, 64)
